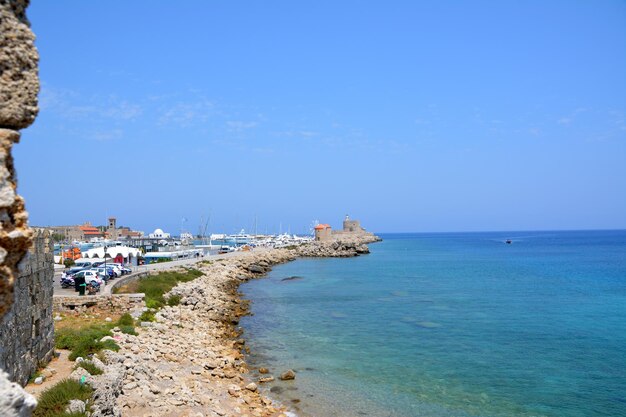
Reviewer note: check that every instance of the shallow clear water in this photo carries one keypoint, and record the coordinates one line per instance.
(450, 325)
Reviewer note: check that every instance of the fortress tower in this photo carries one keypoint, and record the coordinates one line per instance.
(112, 228)
(351, 226)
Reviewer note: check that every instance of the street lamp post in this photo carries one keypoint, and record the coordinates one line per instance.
(105, 262)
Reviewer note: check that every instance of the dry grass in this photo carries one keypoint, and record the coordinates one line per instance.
(78, 320)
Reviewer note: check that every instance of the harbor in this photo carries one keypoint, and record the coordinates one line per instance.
(100, 256)
(133, 248)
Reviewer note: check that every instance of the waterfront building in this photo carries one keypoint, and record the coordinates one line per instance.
(173, 253)
(114, 232)
(81, 233)
(159, 234)
(352, 226)
(152, 242)
(87, 232)
(121, 254)
(323, 232)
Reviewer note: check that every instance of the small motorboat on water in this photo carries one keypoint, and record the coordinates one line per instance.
(508, 241)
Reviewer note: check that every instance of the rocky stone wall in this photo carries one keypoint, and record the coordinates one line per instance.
(19, 86)
(27, 330)
(117, 303)
(19, 60)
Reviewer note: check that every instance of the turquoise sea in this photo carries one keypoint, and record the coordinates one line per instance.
(450, 325)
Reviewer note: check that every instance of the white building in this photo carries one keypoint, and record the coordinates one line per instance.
(125, 254)
(159, 234)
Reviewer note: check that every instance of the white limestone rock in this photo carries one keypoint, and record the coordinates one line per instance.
(14, 401)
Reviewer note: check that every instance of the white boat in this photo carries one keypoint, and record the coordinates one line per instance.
(186, 237)
(240, 238)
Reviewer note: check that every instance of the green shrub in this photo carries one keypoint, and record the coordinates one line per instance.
(85, 340)
(54, 400)
(89, 367)
(68, 262)
(174, 300)
(126, 320)
(128, 330)
(161, 260)
(154, 303)
(155, 286)
(84, 347)
(147, 316)
(110, 345)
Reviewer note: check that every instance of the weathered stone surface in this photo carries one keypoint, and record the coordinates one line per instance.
(107, 387)
(14, 401)
(19, 80)
(116, 303)
(75, 406)
(343, 247)
(257, 269)
(25, 283)
(14, 233)
(27, 328)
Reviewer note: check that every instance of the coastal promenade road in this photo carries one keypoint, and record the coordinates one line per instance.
(57, 290)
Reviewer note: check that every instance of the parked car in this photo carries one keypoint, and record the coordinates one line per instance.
(90, 276)
(125, 269)
(73, 270)
(102, 264)
(86, 263)
(111, 271)
(116, 269)
(105, 272)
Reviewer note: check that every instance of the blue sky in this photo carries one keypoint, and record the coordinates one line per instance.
(411, 116)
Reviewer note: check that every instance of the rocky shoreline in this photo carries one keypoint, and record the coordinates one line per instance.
(190, 362)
